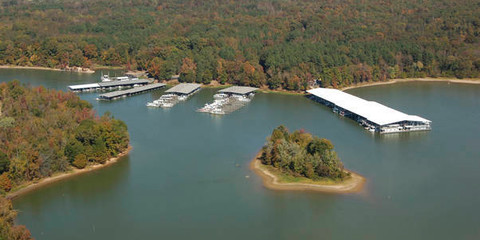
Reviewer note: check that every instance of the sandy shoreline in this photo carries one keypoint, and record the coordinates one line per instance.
(450, 80)
(352, 185)
(44, 68)
(31, 186)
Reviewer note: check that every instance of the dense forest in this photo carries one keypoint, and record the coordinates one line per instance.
(44, 131)
(301, 154)
(274, 43)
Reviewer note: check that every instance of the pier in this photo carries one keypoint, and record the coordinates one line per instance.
(174, 95)
(229, 100)
(131, 91)
(107, 85)
(373, 116)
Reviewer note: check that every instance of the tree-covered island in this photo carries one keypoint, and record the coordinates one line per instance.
(46, 135)
(300, 161)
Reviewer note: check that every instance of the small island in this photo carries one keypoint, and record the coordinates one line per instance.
(300, 161)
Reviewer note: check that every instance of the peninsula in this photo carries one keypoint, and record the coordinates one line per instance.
(48, 135)
(300, 161)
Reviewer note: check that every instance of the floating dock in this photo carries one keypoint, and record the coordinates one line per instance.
(107, 85)
(373, 116)
(229, 100)
(174, 95)
(131, 91)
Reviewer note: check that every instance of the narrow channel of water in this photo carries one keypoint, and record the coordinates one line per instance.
(186, 176)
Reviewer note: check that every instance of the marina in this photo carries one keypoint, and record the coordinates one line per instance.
(373, 116)
(397, 167)
(101, 86)
(129, 92)
(229, 100)
(174, 95)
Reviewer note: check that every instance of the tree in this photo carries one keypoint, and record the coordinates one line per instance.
(80, 161)
(5, 183)
(320, 146)
(4, 162)
(7, 220)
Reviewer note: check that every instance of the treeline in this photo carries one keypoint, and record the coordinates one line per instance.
(301, 154)
(279, 44)
(44, 131)
(8, 230)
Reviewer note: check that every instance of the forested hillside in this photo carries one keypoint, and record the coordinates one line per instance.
(43, 132)
(277, 43)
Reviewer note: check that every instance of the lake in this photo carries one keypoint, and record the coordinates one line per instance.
(187, 176)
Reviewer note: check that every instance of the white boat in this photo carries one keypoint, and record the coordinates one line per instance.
(217, 111)
(105, 78)
(151, 104)
(220, 95)
(182, 97)
(167, 105)
(124, 78)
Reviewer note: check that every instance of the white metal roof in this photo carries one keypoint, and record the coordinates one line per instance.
(184, 88)
(132, 90)
(82, 86)
(123, 83)
(372, 111)
(238, 90)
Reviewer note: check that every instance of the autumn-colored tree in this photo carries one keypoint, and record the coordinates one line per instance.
(80, 161)
(188, 70)
(5, 183)
(8, 229)
(90, 51)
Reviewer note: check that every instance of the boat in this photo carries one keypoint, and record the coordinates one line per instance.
(105, 78)
(220, 95)
(182, 97)
(166, 105)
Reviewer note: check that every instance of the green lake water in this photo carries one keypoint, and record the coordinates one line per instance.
(186, 177)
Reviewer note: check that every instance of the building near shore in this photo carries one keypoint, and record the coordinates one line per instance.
(373, 116)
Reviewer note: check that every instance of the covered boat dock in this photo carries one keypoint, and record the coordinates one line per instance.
(374, 116)
(184, 88)
(229, 100)
(131, 91)
(238, 90)
(107, 85)
(176, 94)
